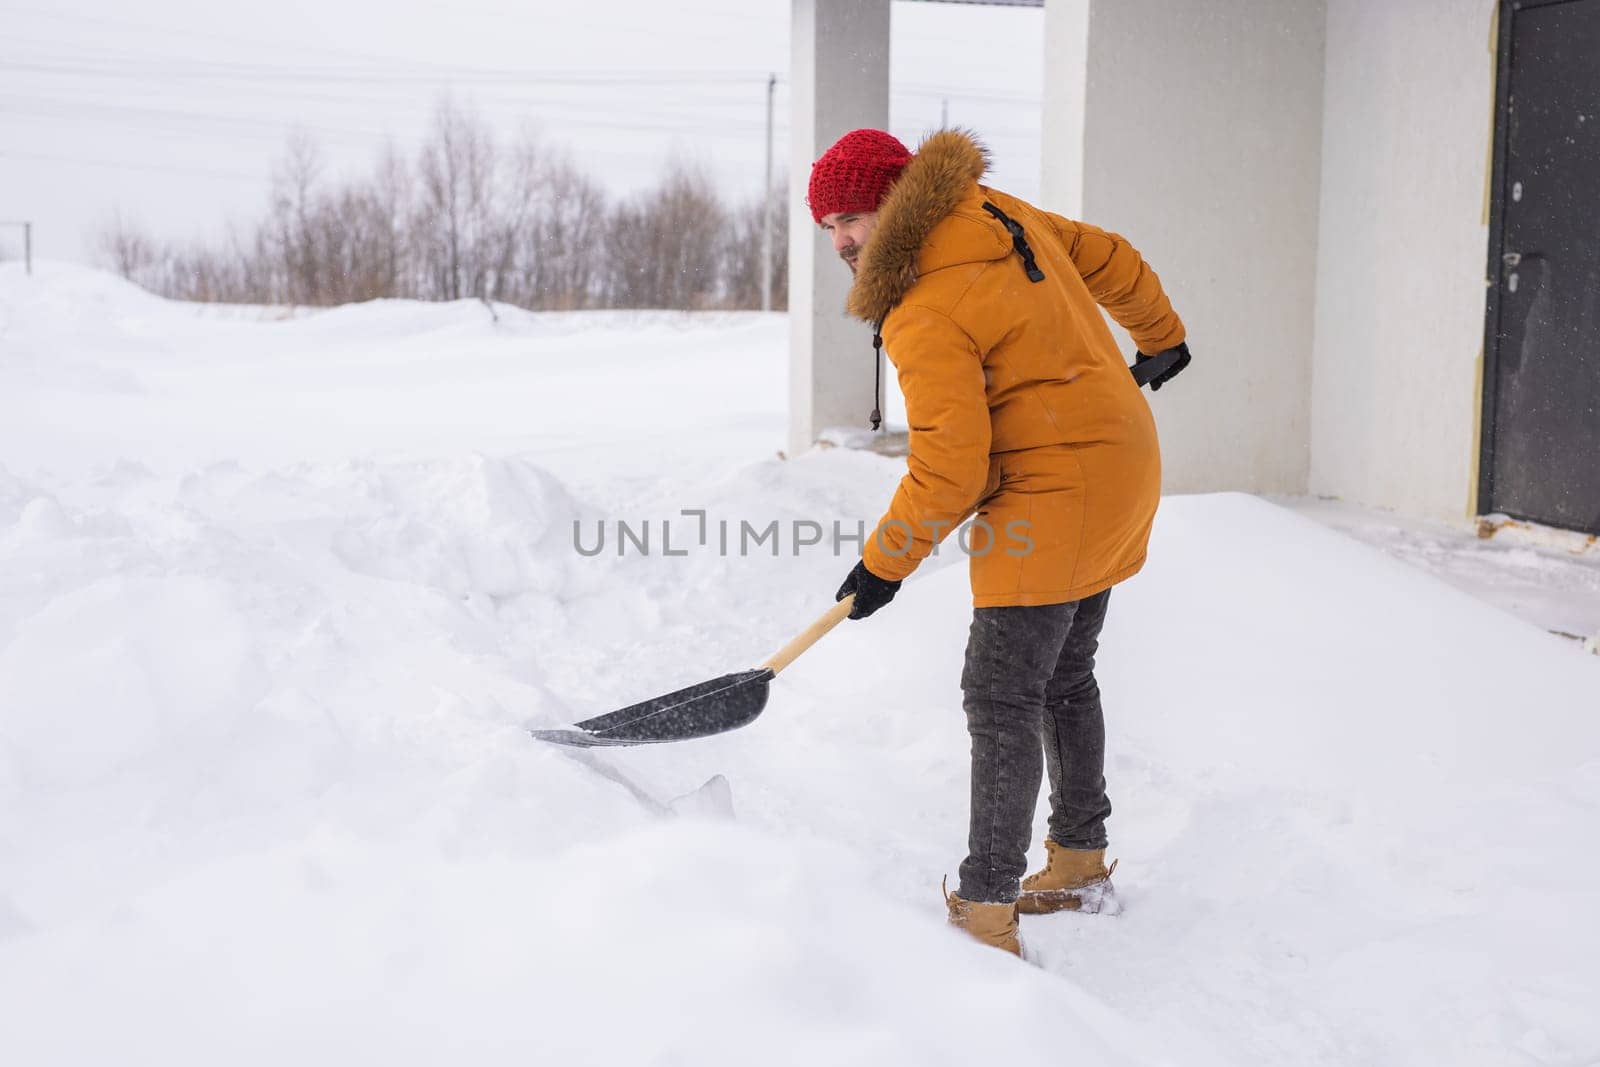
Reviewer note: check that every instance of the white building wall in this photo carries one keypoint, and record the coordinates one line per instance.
(1202, 145)
(1402, 253)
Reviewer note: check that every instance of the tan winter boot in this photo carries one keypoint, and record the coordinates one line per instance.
(1072, 880)
(993, 924)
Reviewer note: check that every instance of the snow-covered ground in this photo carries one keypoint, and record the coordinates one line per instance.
(1549, 577)
(280, 599)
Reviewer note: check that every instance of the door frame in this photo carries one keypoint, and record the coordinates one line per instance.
(1505, 35)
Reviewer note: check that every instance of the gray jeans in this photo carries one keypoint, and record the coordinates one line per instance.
(1028, 686)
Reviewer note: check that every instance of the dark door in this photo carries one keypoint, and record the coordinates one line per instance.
(1541, 439)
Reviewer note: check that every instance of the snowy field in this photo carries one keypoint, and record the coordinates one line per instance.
(280, 599)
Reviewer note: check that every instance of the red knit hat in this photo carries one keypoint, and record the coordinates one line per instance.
(853, 175)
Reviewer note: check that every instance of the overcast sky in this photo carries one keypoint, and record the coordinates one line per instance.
(174, 112)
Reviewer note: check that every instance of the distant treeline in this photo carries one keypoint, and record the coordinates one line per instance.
(469, 217)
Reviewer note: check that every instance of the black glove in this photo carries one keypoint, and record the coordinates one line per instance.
(871, 591)
(1162, 379)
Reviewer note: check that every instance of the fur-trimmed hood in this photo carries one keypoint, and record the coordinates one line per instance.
(944, 172)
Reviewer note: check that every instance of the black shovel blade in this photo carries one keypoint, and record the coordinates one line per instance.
(713, 707)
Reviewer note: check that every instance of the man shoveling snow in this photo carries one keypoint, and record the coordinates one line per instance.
(1023, 415)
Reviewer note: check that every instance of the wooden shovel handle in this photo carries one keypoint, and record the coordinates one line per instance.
(790, 652)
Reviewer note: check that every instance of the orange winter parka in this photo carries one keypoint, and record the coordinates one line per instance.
(1022, 413)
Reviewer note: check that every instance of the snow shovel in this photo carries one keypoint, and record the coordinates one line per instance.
(734, 700)
(713, 707)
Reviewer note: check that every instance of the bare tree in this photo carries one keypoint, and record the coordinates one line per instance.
(740, 262)
(467, 219)
(519, 191)
(128, 249)
(563, 268)
(392, 195)
(292, 234)
(214, 275)
(453, 218)
(661, 249)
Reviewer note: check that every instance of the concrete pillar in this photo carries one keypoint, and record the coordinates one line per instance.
(840, 82)
(1203, 146)
(1066, 83)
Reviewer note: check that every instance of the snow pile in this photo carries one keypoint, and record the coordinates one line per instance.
(273, 626)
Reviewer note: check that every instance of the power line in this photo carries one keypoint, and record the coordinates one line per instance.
(185, 69)
(183, 31)
(181, 69)
(666, 111)
(46, 108)
(85, 162)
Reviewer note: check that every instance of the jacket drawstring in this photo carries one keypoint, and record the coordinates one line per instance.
(877, 374)
(1019, 241)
